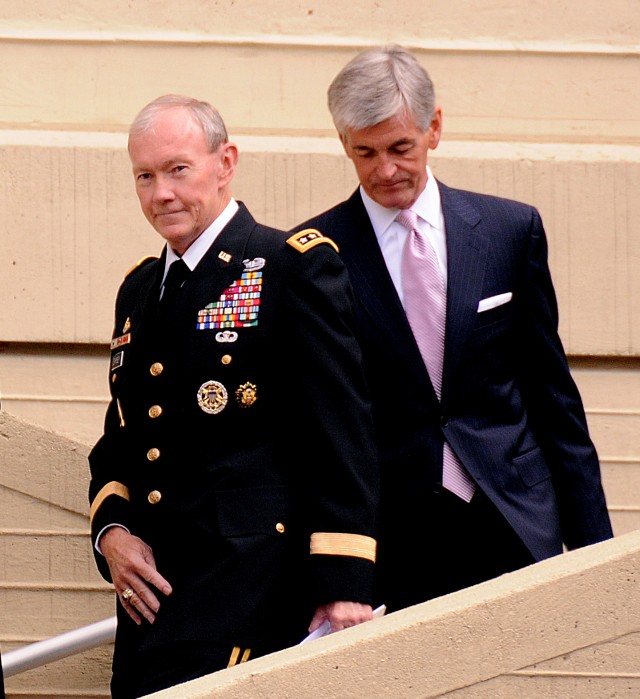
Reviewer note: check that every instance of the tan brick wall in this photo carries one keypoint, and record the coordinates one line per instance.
(540, 104)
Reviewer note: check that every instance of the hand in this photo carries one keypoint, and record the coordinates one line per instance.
(133, 567)
(341, 615)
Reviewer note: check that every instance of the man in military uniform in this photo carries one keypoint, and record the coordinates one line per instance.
(234, 491)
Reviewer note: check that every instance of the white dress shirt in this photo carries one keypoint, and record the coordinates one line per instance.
(391, 235)
(196, 251)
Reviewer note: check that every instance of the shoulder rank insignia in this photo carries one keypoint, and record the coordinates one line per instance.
(309, 238)
(141, 263)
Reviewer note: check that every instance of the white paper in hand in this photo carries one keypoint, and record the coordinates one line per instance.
(325, 628)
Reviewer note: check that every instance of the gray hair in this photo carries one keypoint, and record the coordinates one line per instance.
(378, 84)
(202, 112)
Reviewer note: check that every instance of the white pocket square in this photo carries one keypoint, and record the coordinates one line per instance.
(494, 301)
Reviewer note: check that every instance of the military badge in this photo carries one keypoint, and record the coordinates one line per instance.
(237, 307)
(309, 238)
(127, 325)
(246, 395)
(224, 256)
(226, 336)
(117, 360)
(119, 341)
(212, 397)
(255, 264)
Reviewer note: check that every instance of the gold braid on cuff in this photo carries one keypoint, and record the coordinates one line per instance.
(111, 488)
(337, 544)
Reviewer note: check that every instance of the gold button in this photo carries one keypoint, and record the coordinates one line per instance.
(154, 497)
(156, 369)
(280, 528)
(155, 411)
(113, 378)
(226, 359)
(153, 454)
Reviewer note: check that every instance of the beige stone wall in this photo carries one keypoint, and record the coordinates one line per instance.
(566, 628)
(540, 104)
(49, 583)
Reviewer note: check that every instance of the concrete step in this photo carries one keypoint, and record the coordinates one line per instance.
(43, 556)
(88, 673)
(34, 612)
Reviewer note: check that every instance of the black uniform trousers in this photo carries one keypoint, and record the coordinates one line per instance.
(141, 672)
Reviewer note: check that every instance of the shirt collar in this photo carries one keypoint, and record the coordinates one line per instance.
(196, 251)
(427, 206)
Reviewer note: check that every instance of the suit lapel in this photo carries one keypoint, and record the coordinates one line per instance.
(374, 287)
(467, 249)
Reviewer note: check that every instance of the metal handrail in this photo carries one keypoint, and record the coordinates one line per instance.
(66, 644)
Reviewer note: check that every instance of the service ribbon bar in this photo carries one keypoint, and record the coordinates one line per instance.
(237, 307)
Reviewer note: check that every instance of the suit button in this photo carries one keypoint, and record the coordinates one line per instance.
(155, 411)
(226, 359)
(153, 454)
(444, 420)
(280, 528)
(154, 497)
(156, 369)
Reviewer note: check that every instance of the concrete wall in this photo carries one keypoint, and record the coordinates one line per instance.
(49, 583)
(540, 104)
(566, 628)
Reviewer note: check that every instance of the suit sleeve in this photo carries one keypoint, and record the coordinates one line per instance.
(335, 433)
(554, 404)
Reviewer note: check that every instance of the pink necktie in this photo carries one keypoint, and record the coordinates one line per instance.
(425, 302)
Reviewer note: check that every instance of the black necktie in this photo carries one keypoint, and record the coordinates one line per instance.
(178, 272)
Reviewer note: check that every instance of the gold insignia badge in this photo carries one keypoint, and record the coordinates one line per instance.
(309, 238)
(127, 326)
(246, 395)
(224, 256)
(212, 397)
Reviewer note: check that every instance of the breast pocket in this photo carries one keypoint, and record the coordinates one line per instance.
(494, 315)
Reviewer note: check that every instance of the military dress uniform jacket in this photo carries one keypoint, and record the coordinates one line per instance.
(509, 406)
(238, 442)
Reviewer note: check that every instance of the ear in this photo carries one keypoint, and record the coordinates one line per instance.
(228, 161)
(435, 128)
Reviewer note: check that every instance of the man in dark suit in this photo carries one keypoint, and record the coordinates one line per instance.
(234, 491)
(500, 422)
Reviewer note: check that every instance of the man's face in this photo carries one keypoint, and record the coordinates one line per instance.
(181, 184)
(391, 158)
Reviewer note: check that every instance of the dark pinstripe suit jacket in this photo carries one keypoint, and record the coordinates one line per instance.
(510, 408)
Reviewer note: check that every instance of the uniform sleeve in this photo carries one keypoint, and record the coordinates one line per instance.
(334, 431)
(108, 491)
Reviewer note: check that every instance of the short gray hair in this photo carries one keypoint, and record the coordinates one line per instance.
(202, 112)
(378, 84)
